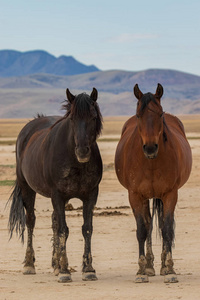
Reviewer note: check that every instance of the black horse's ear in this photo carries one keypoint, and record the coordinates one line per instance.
(70, 97)
(94, 94)
(138, 94)
(159, 91)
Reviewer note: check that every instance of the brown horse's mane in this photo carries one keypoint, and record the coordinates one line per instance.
(148, 97)
(84, 107)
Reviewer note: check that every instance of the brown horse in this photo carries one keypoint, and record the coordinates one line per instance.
(58, 157)
(153, 160)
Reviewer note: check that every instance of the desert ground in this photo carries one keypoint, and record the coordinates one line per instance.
(114, 243)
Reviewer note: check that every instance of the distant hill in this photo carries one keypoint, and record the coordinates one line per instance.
(35, 82)
(15, 63)
(176, 84)
(25, 96)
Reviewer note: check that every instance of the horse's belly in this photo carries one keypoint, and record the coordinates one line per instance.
(31, 170)
(38, 184)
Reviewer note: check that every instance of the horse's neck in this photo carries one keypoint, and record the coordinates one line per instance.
(62, 132)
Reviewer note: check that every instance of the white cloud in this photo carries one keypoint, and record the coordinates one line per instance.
(130, 37)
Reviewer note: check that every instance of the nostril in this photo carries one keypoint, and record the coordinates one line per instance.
(150, 149)
(82, 151)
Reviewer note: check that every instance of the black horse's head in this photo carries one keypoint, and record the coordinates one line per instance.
(86, 119)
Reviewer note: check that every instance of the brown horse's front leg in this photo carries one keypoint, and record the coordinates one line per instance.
(150, 271)
(142, 220)
(167, 269)
(88, 271)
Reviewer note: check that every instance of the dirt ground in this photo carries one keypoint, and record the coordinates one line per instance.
(114, 244)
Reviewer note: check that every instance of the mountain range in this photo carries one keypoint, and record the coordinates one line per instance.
(15, 63)
(39, 82)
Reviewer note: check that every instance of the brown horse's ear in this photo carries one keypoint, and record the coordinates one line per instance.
(70, 97)
(94, 94)
(159, 91)
(138, 94)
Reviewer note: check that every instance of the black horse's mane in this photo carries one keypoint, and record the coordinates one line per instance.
(84, 107)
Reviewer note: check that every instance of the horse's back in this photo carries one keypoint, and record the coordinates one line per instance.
(174, 124)
(180, 145)
(35, 126)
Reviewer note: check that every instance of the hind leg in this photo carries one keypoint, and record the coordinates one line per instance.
(150, 271)
(28, 196)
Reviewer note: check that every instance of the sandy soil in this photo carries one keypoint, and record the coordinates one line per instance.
(114, 244)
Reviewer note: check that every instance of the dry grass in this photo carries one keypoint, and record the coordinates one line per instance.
(10, 128)
(113, 125)
(191, 123)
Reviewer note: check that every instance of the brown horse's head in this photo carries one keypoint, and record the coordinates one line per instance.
(149, 119)
(86, 122)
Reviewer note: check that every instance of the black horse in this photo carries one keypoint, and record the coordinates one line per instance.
(58, 157)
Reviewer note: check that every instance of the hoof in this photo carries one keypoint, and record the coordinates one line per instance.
(170, 278)
(65, 278)
(141, 278)
(89, 276)
(56, 272)
(150, 271)
(163, 271)
(29, 270)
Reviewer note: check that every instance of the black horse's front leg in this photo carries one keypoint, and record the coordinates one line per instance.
(60, 235)
(87, 229)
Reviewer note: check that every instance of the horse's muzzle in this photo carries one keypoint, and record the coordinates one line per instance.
(83, 154)
(150, 151)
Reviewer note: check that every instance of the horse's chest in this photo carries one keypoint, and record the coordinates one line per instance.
(76, 182)
(154, 183)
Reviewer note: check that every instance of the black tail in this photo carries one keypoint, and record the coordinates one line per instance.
(158, 211)
(168, 223)
(17, 218)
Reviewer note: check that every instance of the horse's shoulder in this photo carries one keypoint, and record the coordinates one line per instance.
(129, 124)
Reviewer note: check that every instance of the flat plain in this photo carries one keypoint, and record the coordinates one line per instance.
(114, 243)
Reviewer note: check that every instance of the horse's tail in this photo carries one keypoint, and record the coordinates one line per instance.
(17, 217)
(158, 212)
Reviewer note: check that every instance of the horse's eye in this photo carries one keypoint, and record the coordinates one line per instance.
(137, 116)
(162, 114)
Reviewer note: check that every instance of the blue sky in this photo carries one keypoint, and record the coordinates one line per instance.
(126, 35)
